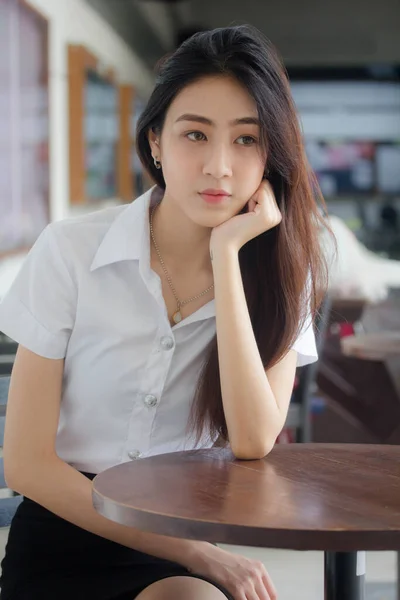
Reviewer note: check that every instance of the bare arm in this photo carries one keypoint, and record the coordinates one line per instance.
(255, 401)
(33, 468)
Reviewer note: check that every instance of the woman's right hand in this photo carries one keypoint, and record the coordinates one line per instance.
(243, 578)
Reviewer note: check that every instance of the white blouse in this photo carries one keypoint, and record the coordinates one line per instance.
(87, 293)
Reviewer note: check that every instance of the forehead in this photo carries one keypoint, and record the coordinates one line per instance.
(217, 98)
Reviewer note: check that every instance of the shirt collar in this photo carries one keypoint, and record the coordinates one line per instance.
(128, 238)
(127, 233)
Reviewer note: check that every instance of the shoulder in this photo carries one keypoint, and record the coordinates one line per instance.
(86, 230)
(77, 239)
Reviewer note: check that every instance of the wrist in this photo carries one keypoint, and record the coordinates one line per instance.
(223, 252)
(197, 554)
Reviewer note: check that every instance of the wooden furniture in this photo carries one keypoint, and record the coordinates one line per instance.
(372, 346)
(99, 130)
(358, 382)
(342, 499)
(370, 351)
(347, 309)
(363, 389)
(375, 347)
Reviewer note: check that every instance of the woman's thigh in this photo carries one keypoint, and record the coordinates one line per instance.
(181, 588)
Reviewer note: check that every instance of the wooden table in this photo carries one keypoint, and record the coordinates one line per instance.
(361, 386)
(346, 310)
(379, 347)
(372, 346)
(341, 499)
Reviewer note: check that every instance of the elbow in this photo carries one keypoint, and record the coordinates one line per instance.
(12, 477)
(16, 471)
(252, 451)
(21, 473)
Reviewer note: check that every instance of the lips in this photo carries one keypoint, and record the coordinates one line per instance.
(214, 192)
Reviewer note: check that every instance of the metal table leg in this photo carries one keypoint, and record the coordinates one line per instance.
(344, 575)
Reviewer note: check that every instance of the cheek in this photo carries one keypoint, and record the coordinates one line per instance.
(179, 160)
(249, 169)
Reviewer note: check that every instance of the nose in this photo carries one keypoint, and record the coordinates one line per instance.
(218, 162)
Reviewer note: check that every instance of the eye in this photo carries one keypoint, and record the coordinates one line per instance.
(247, 140)
(197, 136)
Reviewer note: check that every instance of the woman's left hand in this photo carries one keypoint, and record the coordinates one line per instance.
(262, 214)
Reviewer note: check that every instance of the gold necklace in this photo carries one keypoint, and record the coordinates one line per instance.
(177, 316)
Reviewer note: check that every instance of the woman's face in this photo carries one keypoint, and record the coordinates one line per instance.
(210, 140)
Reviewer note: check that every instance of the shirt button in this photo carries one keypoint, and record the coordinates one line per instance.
(167, 343)
(150, 400)
(133, 454)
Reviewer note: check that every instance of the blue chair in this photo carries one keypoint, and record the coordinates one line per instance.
(8, 506)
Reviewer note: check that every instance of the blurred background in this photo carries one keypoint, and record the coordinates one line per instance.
(76, 74)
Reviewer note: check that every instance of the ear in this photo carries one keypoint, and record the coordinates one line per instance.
(154, 142)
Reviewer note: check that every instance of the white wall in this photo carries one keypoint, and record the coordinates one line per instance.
(73, 21)
(355, 110)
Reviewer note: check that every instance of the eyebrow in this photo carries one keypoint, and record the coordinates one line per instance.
(205, 121)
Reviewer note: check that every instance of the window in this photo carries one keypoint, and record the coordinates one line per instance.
(24, 164)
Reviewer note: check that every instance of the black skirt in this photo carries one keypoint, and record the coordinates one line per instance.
(48, 557)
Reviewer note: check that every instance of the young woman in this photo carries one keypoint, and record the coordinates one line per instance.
(172, 323)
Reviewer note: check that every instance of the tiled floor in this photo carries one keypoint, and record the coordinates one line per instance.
(381, 591)
(299, 575)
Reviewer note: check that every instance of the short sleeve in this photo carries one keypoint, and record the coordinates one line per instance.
(38, 311)
(305, 344)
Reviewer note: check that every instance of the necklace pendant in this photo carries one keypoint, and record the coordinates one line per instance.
(177, 317)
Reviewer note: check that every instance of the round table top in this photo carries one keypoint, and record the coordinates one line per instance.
(372, 346)
(338, 497)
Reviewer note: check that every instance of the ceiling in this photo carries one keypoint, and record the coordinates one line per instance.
(306, 32)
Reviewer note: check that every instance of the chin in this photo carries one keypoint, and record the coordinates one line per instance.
(207, 218)
(208, 221)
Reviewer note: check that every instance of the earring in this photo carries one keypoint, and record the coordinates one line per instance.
(157, 163)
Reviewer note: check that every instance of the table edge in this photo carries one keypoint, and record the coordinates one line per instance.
(242, 535)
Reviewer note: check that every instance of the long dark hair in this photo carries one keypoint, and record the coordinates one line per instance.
(283, 270)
